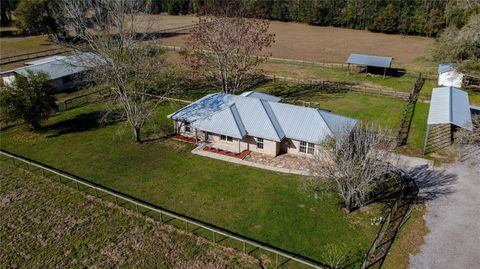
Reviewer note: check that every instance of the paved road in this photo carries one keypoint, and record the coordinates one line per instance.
(452, 195)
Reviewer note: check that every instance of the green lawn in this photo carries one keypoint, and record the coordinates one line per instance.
(402, 84)
(256, 203)
(11, 46)
(44, 224)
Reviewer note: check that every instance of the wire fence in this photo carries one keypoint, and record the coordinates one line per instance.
(164, 216)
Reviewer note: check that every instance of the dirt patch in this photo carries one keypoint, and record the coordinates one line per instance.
(329, 44)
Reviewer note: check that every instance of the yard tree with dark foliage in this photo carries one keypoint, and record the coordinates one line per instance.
(29, 98)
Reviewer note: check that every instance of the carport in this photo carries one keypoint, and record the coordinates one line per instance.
(370, 60)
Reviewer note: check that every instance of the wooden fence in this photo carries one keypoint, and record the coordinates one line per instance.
(426, 74)
(394, 221)
(33, 55)
(350, 87)
(122, 199)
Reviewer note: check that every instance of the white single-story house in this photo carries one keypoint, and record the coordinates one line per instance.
(448, 76)
(257, 122)
(65, 72)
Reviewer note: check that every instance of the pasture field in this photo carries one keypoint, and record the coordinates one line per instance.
(45, 224)
(327, 44)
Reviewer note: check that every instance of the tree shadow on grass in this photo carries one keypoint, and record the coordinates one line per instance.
(80, 123)
(330, 90)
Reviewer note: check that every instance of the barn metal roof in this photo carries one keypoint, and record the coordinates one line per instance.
(450, 105)
(370, 60)
(263, 96)
(61, 67)
(238, 116)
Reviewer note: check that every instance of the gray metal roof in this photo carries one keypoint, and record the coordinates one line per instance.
(238, 116)
(61, 67)
(45, 60)
(370, 60)
(450, 105)
(263, 96)
(447, 67)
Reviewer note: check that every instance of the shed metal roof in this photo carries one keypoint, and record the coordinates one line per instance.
(447, 67)
(62, 66)
(45, 60)
(450, 105)
(370, 60)
(238, 116)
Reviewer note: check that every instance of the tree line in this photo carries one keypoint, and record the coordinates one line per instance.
(409, 17)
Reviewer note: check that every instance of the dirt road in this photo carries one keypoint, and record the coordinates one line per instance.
(452, 195)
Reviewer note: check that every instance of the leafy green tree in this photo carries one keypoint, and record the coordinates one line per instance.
(461, 45)
(36, 17)
(387, 20)
(29, 98)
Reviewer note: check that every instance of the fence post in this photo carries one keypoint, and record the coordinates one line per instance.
(213, 237)
(13, 160)
(76, 183)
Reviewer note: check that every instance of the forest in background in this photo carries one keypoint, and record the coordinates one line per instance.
(409, 17)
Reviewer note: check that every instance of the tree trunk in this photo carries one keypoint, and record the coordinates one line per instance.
(136, 131)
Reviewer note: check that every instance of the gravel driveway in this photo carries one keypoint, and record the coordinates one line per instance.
(452, 195)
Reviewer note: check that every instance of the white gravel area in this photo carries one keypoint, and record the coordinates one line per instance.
(452, 195)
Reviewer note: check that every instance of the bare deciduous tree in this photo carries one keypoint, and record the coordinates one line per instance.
(116, 31)
(227, 46)
(353, 163)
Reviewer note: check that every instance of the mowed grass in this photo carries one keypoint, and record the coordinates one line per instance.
(45, 224)
(384, 111)
(255, 203)
(401, 84)
(11, 46)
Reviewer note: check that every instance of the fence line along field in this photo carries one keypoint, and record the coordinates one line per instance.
(327, 44)
(71, 229)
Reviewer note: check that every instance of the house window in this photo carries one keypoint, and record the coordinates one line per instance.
(187, 128)
(308, 148)
(311, 148)
(259, 143)
(226, 138)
